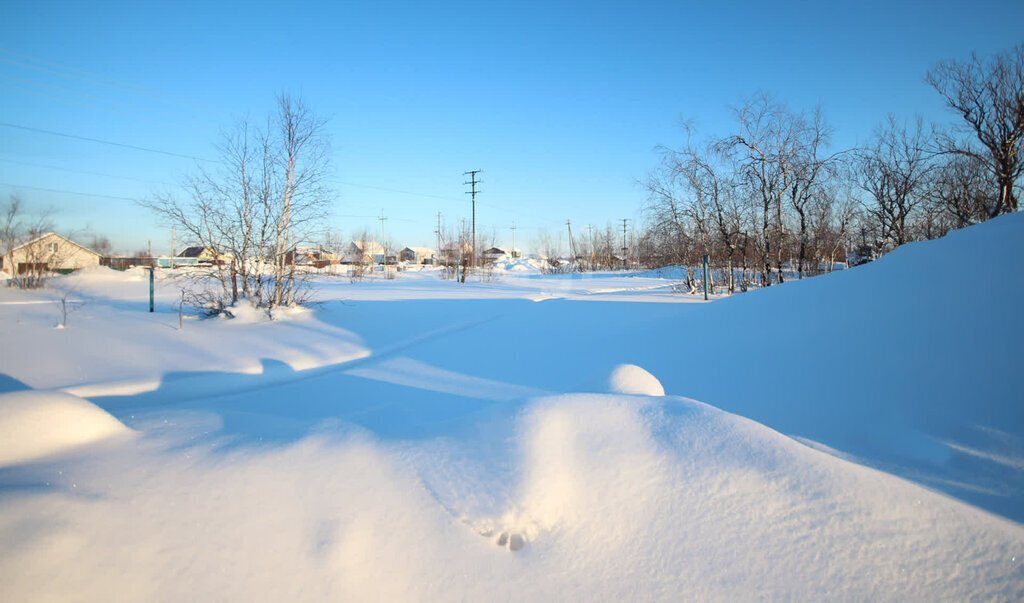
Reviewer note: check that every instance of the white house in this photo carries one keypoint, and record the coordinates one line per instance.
(45, 253)
(364, 252)
(417, 255)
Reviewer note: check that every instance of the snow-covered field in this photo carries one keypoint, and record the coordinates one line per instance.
(853, 436)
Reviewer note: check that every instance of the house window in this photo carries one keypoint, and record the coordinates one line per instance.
(52, 247)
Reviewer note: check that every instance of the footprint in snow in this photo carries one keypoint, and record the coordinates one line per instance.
(513, 541)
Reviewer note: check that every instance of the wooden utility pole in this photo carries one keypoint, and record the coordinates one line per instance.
(437, 234)
(590, 233)
(472, 192)
(624, 248)
(572, 246)
(513, 240)
(383, 241)
(462, 248)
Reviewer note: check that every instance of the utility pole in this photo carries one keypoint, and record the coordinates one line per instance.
(572, 246)
(472, 192)
(172, 248)
(462, 248)
(437, 234)
(590, 233)
(513, 240)
(383, 241)
(624, 220)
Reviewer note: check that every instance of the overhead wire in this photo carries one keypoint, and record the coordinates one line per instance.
(97, 102)
(107, 142)
(86, 172)
(25, 61)
(65, 192)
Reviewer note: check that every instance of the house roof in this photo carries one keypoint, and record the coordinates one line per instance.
(25, 242)
(419, 250)
(368, 246)
(192, 252)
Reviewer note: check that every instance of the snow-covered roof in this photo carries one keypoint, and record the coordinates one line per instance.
(425, 250)
(368, 246)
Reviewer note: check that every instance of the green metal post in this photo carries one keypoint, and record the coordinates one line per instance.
(705, 277)
(151, 271)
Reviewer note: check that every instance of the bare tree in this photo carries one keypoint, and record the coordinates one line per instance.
(894, 171)
(101, 245)
(550, 247)
(254, 207)
(812, 169)
(31, 255)
(989, 95)
(10, 229)
(961, 190)
(766, 150)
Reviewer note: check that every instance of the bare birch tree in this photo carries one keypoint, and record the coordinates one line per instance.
(894, 171)
(989, 95)
(253, 207)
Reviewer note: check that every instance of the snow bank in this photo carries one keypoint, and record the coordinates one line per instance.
(608, 498)
(631, 379)
(522, 265)
(35, 424)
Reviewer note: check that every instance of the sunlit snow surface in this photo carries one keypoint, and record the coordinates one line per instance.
(859, 436)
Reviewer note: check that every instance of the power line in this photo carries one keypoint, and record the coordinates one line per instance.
(86, 172)
(194, 158)
(94, 100)
(26, 61)
(107, 142)
(415, 194)
(54, 190)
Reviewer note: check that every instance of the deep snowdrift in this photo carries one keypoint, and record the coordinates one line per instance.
(438, 447)
(35, 424)
(612, 497)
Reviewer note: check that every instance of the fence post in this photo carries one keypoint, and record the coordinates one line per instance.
(151, 271)
(705, 277)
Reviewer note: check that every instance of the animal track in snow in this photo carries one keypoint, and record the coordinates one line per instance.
(513, 541)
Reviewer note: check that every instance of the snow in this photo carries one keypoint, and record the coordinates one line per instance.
(34, 424)
(632, 379)
(858, 436)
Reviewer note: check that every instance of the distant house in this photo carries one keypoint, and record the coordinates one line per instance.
(417, 255)
(45, 253)
(205, 255)
(363, 252)
(312, 256)
(495, 254)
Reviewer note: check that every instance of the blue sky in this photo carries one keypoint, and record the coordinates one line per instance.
(560, 104)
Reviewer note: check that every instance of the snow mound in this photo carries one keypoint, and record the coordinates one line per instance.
(517, 265)
(34, 424)
(632, 379)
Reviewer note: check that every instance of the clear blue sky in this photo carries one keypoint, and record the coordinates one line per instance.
(559, 103)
